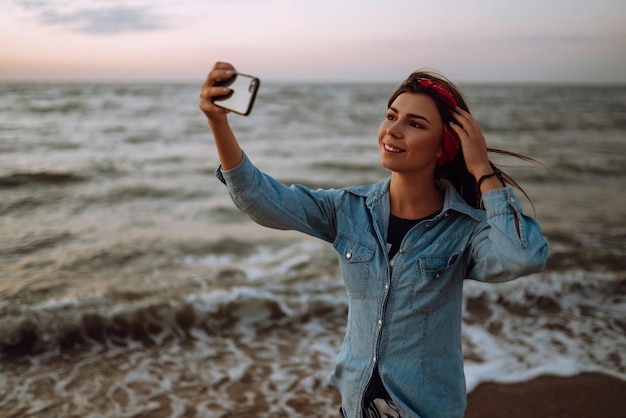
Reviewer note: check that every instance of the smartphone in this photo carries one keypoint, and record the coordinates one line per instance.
(241, 98)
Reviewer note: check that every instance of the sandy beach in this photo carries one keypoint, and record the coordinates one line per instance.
(589, 395)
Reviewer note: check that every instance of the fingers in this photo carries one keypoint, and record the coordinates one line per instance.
(220, 71)
(211, 88)
(206, 100)
(467, 128)
(211, 92)
(473, 141)
(465, 124)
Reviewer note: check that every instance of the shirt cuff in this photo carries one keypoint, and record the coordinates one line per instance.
(501, 202)
(236, 176)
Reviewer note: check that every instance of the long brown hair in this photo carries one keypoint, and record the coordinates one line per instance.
(456, 170)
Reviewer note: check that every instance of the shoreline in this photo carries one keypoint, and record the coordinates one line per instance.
(584, 395)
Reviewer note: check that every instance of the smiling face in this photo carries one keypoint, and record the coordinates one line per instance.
(410, 137)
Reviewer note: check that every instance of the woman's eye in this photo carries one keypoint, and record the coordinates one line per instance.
(389, 117)
(415, 125)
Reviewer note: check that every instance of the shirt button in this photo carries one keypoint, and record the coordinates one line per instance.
(386, 286)
(512, 200)
(348, 255)
(374, 359)
(380, 323)
(401, 251)
(437, 276)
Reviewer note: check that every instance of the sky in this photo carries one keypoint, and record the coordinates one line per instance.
(570, 41)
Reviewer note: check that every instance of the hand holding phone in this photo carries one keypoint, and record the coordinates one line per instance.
(243, 92)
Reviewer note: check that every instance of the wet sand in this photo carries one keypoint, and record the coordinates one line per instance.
(589, 395)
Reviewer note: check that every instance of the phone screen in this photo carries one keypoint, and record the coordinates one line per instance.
(244, 88)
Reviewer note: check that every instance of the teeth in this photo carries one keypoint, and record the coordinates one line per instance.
(392, 149)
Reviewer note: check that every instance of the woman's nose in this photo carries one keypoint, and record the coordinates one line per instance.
(394, 131)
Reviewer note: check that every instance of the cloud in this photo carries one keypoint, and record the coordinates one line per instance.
(107, 21)
(85, 18)
(31, 4)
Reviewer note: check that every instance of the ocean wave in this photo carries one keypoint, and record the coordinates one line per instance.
(557, 322)
(119, 194)
(566, 169)
(226, 213)
(22, 206)
(275, 367)
(590, 252)
(64, 326)
(70, 106)
(157, 317)
(32, 242)
(138, 191)
(19, 179)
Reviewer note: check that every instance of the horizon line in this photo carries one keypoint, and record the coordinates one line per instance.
(311, 81)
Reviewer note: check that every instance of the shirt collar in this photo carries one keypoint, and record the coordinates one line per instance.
(452, 199)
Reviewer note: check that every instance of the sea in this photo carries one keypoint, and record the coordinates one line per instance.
(131, 286)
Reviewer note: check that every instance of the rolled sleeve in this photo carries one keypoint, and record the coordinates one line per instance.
(502, 205)
(508, 243)
(239, 177)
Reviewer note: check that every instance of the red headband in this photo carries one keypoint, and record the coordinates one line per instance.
(451, 141)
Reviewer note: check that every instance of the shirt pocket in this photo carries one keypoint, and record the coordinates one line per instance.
(355, 257)
(432, 279)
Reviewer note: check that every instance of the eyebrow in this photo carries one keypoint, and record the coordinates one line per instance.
(412, 115)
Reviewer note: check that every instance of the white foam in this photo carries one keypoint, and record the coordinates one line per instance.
(577, 334)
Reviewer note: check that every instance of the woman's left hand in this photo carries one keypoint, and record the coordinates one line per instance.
(472, 142)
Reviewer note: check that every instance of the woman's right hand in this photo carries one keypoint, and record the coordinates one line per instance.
(220, 71)
(228, 148)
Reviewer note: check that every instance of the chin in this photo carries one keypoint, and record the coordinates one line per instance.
(386, 164)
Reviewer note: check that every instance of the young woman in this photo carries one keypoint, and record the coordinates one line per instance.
(404, 245)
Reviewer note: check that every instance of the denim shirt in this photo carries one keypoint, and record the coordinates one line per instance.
(406, 320)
